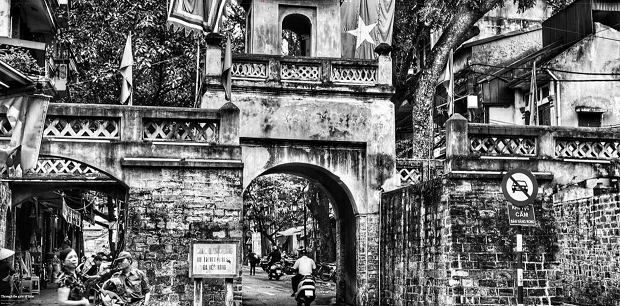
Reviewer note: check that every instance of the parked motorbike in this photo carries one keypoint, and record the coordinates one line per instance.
(306, 291)
(276, 270)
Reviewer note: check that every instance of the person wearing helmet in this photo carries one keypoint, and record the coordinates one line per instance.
(274, 257)
(130, 283)
(304, 266)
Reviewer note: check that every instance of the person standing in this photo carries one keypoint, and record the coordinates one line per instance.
(130, 283)
(70, 288)
(6, 270)
(252, 259)
(304, 266)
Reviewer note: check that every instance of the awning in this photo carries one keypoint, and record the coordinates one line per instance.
(291, 231)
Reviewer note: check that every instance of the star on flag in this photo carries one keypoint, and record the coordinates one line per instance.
(362, 33)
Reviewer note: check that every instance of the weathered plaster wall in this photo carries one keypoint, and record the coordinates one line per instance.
(588, 235)
(594, 54)
(505, 51)
(168, 209)
(336, 119)
(267, 26)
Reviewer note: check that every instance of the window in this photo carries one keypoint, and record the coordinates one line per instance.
(589, 119)
(296, 30)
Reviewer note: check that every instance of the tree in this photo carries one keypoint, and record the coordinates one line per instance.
(414, 22)
(320, 207)
(274, 203)
(164, 71)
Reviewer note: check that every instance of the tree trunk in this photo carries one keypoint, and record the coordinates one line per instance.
(319, 207)
(421, 89)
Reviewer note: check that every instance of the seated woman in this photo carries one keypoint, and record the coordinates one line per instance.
(71, 290)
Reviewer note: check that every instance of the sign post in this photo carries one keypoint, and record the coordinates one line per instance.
(213, 259)
(520, 188)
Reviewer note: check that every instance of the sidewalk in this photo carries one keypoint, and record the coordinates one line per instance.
(46, 297)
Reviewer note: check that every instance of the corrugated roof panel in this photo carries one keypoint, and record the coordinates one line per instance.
(602, 5)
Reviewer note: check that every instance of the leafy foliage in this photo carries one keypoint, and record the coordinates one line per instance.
(164, 71)
(274, 203)
(20, 59)
(417, 66)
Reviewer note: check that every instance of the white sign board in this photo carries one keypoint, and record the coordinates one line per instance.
(213, 259)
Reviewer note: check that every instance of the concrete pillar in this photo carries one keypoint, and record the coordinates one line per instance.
(457, 140)
(213, 56)
(384, 70)
(5, 18)
(546, 144)
(229, 124)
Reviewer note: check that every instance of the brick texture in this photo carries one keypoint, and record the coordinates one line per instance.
(168, 209)
(449, 243)
(589, 232)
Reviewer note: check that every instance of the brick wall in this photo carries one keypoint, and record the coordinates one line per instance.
(449, 243)
(589, 232)
(168, 209)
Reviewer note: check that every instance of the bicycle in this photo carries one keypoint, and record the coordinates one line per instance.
(327, 272)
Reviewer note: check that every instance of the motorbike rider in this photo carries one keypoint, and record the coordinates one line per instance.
(130, 283)
(273, 257)
(304, 266)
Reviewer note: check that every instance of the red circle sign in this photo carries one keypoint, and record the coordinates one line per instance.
(519, 187)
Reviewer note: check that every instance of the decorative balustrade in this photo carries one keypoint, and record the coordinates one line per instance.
(300, 72)
(55, 166)
(250, 70)
(588, 149)
(180, 130)
(542, 142)
(496, 145)
(81, 127)
(362, 75)
(87, 122)
(310, 70)
(413, 171)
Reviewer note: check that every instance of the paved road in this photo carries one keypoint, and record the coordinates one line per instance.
(258, 290)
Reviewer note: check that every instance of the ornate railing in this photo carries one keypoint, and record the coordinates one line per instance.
(59, 167)
(300, 72)
(89, 122)
(82, 127)
(588, 149)
(502, 145)
(327, 71)
(180, 130)
(250, 70)
(542, 142)
(354, 74)
(413, 171)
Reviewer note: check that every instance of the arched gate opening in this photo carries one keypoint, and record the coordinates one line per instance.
(346, 226)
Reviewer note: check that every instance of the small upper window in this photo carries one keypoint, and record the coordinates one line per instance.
(296, 30)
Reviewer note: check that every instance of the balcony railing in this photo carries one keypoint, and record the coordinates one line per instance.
(413, 171)
(542, 142)
(326, 71)
(133, 123)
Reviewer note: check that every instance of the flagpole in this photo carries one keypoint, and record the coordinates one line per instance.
(197, 98)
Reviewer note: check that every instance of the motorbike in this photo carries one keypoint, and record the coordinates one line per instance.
(264, 263)
(276, 271)
(288, 266)
(306, 291)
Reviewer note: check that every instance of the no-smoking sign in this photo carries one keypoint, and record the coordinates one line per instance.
(519, 187)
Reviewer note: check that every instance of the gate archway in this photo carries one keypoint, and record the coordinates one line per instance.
(346, 225)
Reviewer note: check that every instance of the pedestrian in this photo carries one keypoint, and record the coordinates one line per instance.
(71, 290)
(130, 283)
(6, 270)
(304, 266)
(252, 259)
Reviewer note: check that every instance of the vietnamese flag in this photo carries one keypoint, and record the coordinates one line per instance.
(365, 25)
